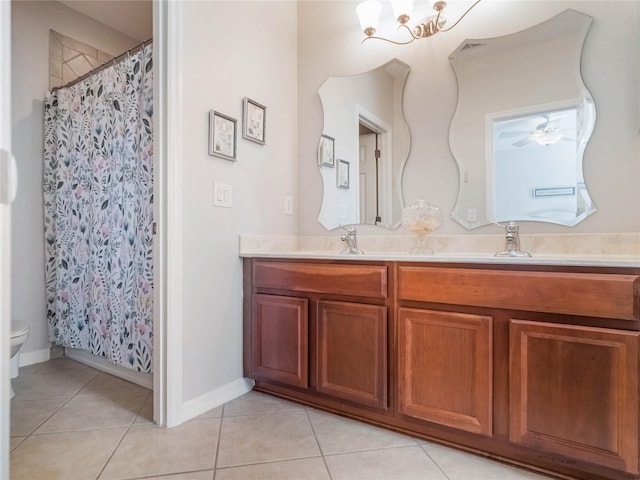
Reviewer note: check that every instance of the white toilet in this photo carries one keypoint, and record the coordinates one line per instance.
(19, 334)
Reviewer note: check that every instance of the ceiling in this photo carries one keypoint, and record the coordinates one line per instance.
(131, 17)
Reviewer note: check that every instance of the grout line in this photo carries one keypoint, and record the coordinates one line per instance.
(215, 462)
(166, 475)
(376, 449)
(33, 432)
(268, 462)
(253, 414)
(113, 451)
(433, 460)
(315, 435)
(131, 424)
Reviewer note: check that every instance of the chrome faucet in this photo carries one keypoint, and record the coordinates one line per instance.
(512, 243)
(351, 241)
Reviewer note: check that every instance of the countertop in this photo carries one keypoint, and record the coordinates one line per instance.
(559, 260)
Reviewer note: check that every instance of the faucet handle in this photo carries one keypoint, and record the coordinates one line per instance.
(512, 227)
(348, 228)
(509, 227)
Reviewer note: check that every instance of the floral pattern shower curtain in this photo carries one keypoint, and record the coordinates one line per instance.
(98, 195)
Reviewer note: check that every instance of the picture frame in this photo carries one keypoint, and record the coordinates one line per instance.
(222, 136)
(254, 118)
(342, 174)
(326, 151)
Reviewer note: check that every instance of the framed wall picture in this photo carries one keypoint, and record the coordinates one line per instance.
(253, 121)
(326, 149)
(343, 173)
(222, 136)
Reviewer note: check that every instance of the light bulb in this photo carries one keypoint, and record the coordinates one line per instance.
(369, 15)
(402, 10)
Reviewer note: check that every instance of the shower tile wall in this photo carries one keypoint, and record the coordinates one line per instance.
(70, 59)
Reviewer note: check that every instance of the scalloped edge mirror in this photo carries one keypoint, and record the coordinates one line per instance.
(364, 146)
(521, 126)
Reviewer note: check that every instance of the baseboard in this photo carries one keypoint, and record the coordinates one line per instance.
(215, 398)
(143, 379)
(36, 356)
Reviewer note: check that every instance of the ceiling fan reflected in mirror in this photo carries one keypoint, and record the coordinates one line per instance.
(548, 128)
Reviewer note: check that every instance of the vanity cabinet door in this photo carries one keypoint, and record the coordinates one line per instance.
(445, 368)
(280, 340)
(574, 392)
(352, 352)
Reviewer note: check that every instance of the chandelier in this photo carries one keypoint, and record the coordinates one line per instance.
(369, 15)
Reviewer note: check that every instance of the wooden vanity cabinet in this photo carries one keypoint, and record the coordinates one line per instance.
(445, 368)
(321, 328)
(573, 390)
(352, 352)
(564, 389)
(280, 340)
(535, 365)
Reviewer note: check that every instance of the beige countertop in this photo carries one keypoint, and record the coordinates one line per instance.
(606, 250)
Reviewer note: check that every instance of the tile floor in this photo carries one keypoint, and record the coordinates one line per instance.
(71, 422)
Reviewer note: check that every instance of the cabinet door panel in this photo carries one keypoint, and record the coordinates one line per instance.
(445, 363)
(281, 339)
(574, 390)
(352, 351)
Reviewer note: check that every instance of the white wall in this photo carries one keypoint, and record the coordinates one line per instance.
(231, 50)
(329, 44)
(31, 21)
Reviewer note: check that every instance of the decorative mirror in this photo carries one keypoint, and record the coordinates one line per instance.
(522, 123)
(364, 147)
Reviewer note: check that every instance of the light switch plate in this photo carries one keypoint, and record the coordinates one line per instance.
(222, 195)
(342, 210)
(288, 205)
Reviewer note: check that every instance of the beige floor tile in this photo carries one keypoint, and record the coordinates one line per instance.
(31, 369)
(342, 435)
(403, 463)
(64, 456)
(203, 475)
(253, 403)
(46, 386)
(459, 465)
(306, 468)
(266, 438)
(66, 365)
(213, 413)
(145, 415)
(15, 441)
(148, 450)
(95, 411)
(27, 415)
(52, 372)
(105, 383)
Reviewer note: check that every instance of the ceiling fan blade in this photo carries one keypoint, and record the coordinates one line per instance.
(514, 133)
(522, 142)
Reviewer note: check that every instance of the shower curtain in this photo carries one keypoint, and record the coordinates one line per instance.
(98, 213)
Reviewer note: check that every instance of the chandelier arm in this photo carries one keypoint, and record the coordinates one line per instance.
(436, 23)
(390, 41)
(413, 36)
(458, 21)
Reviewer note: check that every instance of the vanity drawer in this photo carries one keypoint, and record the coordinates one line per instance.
(587, 294)
(352, 280)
